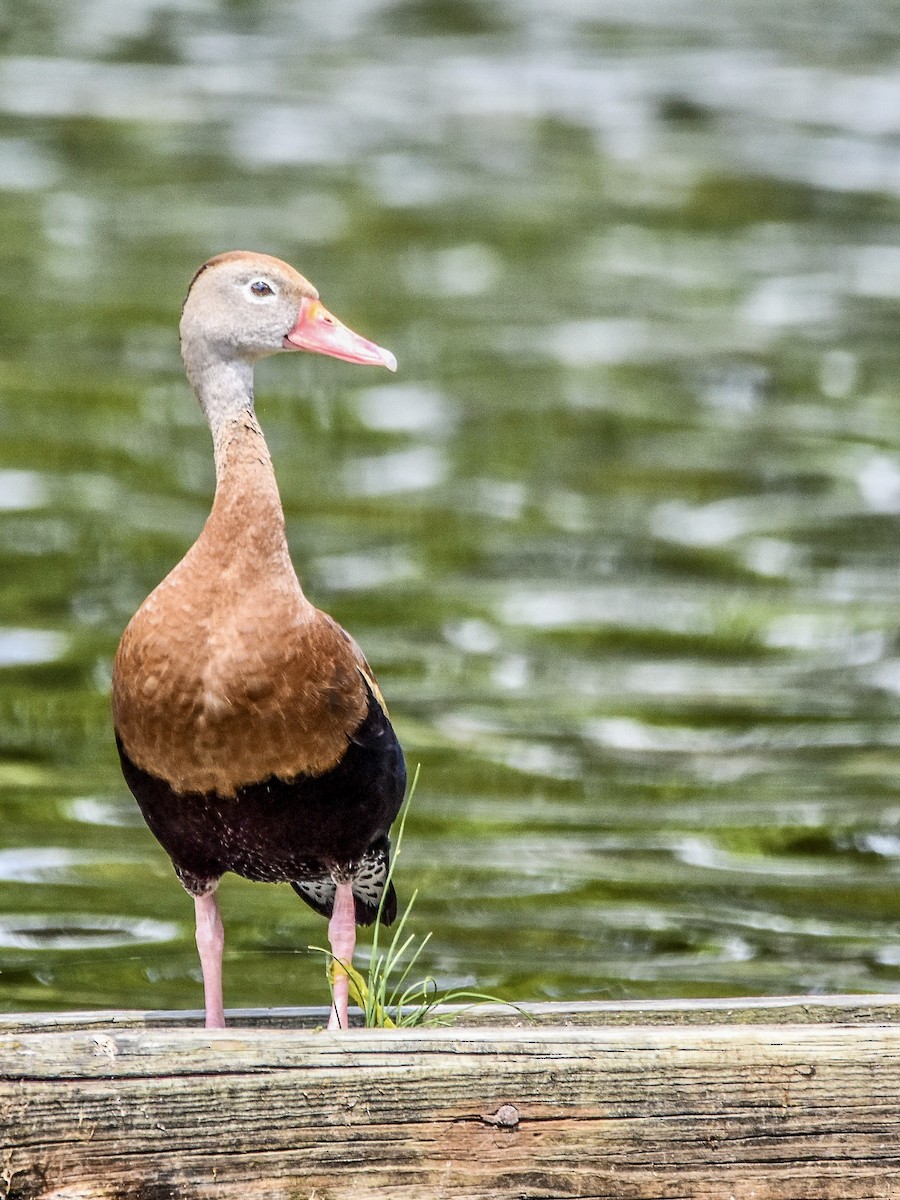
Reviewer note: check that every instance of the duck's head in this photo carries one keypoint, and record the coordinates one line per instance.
(243, 306)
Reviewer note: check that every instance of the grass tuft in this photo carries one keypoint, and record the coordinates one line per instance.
(387, 1000)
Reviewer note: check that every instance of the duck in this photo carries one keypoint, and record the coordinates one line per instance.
(250, 728)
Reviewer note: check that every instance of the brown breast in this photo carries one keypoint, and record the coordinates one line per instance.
(227, 675)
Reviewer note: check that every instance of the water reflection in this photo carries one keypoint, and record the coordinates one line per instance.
(22, 489)
(99, 810)
(58, 864)
(21, 646)
(620, 539)
(74, 932)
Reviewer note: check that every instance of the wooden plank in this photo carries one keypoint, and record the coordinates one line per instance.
(850, 1009)
(710, 1111)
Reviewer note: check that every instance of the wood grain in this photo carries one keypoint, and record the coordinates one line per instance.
(776, 1110)
(745, 1010)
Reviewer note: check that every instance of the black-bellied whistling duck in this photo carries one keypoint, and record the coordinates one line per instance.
(250, 728)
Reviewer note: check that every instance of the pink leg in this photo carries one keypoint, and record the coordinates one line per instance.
(342, 937)
(211, 943)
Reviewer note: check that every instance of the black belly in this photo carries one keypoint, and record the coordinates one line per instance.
(303, 830)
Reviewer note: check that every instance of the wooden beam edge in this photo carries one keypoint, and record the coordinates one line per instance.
(804, 1010)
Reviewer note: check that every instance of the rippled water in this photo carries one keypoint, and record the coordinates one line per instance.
(620, 538)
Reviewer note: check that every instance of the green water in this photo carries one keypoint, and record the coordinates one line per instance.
(619, 538)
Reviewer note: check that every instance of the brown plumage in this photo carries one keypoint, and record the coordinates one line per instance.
(250, 727)
(227, 673)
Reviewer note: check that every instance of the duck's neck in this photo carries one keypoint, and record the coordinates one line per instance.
(247, 516)
(224, 388)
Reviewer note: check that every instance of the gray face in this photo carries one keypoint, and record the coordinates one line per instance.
(242, 306)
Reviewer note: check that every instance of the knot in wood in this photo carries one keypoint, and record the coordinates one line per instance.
(506, 1117)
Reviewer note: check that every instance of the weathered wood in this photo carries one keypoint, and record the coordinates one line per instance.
(806, 1108)
(745, 1010)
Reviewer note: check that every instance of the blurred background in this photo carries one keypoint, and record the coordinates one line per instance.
(620, 538)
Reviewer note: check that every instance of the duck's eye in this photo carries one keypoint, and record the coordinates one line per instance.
(259, 287)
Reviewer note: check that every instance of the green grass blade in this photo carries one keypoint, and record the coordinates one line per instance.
(386, 999)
